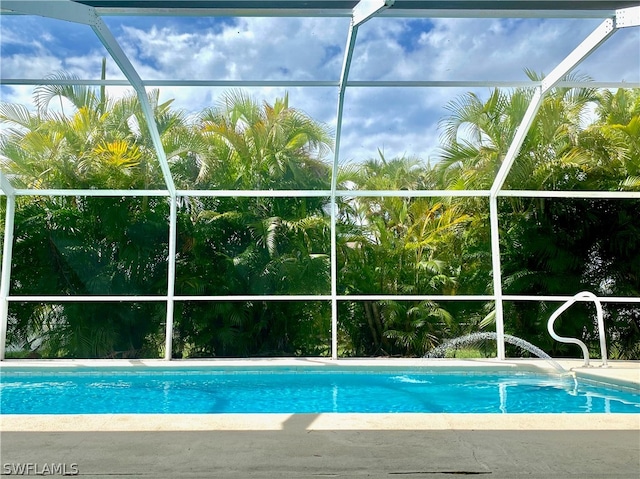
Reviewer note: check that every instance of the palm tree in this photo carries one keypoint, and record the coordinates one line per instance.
(88, 245)
(257, 246)
(476, 136)
(396, 245)
(263, 146)
(551, 246)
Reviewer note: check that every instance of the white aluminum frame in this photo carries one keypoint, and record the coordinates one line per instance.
(67, 10)
(5, 275)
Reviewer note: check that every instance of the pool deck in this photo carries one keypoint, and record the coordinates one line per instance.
(333, 445)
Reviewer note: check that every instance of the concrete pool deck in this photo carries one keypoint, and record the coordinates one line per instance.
(332, 445)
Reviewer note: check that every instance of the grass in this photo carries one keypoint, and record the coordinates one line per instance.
(465, 353)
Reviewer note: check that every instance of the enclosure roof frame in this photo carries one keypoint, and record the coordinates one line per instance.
(615, 14)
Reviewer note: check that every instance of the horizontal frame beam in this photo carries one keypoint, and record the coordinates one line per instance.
(579, 194)
(82, 192)
(561, 298)
(309, 297)
(346, 13)
(256, 193)
(322, 83)
(411, 193)
(163, 298)
(570, 194)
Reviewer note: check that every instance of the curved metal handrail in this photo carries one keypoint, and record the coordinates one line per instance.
(603, 341)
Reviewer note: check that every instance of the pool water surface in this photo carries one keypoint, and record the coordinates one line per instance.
(207, 391)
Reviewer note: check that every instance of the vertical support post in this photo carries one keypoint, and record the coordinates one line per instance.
(582, 51)
(171, 276)
(334, 281)
(497, 275)
(361, 12)
(6, 272)
(496, 265)
(351, 40)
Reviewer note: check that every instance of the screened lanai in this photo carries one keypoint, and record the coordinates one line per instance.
(393, 198)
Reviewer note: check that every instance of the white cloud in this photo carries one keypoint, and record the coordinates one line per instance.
(465, 49)
(252, 48)
(400, 121)
(30, 66)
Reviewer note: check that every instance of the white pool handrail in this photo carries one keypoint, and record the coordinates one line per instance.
(603, 340)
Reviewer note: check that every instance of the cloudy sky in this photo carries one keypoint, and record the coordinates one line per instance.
(400, 121)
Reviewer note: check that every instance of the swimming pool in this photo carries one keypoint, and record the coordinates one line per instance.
(303, 390)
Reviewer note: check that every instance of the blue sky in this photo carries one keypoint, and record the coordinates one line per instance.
(400, 122)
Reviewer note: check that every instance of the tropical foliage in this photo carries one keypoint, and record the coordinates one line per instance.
(229, 245)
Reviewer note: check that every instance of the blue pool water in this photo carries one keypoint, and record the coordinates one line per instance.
(209, 391)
